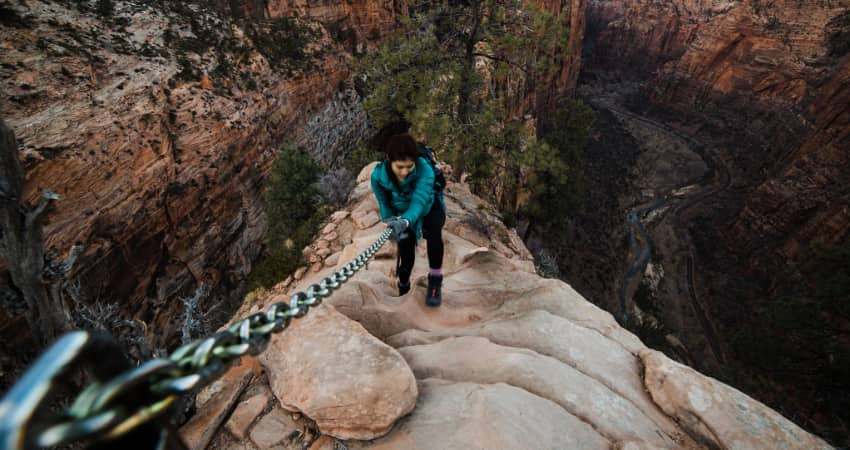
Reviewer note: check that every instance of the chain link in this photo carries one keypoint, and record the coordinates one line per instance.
(99, 413)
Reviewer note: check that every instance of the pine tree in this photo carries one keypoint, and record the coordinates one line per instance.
(452, 70)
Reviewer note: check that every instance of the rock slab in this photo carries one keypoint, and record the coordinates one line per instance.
(333, 371)
(245, 413)
(198, 432)
(468, 416)
(274, 428)
(718, 414)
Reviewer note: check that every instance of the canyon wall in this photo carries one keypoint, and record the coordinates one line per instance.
(158, 158)
(156, 123)
(768, 82)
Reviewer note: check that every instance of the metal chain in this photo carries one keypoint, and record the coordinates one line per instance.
(98, 412)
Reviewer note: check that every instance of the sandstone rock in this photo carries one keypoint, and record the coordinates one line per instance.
(284, 284)
(332, 260)
(338, 216)
(559, 338)
(470, 359)
(331, 236)
(718, 414)
(308, 251)
(245, 413)
(198, 432)
(328, 228)
(273, 428)
(173, 171)
(467, 416)
(205, 82)
(366, 172)
(314, 258)
(638, 445)
(321, 243)
(317, 266)
(329, 368)
(299, 273)
(322, 252)
(367, 220)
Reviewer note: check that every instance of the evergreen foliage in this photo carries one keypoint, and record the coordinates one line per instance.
(454, 70)
(284, 41)
(555, 180)
(294, 210)
(359, 158)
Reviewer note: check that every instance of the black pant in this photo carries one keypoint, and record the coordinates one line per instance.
(432, 230)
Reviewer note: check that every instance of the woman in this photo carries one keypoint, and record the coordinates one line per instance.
(403, 184)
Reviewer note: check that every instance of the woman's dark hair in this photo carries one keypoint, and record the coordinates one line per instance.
(379, 141)
(401, 147)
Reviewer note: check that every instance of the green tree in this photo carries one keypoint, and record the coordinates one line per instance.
(453, 70)
(555, 163)
(294, 210)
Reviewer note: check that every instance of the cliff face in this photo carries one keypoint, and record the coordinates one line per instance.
(769, 82)
(158, 144)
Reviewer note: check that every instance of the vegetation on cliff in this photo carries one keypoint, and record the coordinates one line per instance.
(460, 74)
(294, 209)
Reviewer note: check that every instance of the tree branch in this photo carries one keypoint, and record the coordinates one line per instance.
(190, 320)
(504, 60)
(53, 270)
(35, 216)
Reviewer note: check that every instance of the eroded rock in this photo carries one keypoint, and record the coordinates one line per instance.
(329, 368)
(718, 414)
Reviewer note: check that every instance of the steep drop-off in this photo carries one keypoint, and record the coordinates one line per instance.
(763, 90)
(510, 360)
(768, 81)
(156, 125)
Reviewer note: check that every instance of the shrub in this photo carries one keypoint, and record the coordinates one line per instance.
(359, 158)
(294, 211)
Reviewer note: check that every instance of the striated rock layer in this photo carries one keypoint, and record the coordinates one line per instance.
(156, 125)
(771, 82)
(510, 360)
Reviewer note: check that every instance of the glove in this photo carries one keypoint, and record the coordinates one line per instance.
(399, 227)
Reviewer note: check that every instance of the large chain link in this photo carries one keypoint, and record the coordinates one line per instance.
(98, 412)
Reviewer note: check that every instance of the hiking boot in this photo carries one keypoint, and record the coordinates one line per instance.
(434, 296)
(403, 287)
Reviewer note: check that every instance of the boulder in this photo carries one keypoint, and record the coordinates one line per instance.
(333, 371)
(338, 216)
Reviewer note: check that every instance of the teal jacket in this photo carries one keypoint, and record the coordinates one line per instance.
(411, 200)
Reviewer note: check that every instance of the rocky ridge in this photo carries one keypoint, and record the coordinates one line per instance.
(510, 360)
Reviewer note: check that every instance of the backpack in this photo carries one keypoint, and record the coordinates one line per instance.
(427, 153)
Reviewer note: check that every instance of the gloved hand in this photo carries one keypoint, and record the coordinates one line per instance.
(398, 226)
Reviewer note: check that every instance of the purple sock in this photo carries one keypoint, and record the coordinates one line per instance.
(435, 272)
